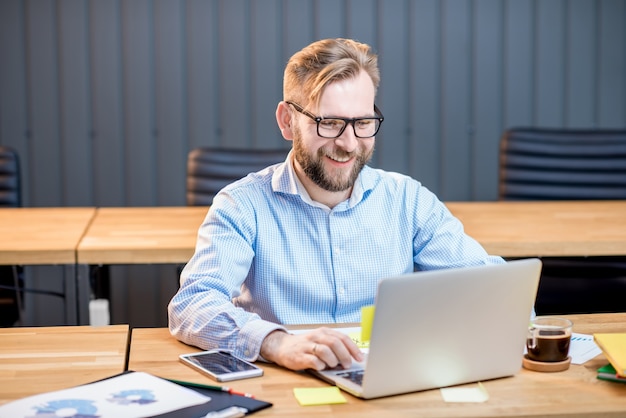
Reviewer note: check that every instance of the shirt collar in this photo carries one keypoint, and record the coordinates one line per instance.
(285, 180)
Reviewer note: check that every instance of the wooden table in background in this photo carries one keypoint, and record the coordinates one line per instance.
(511, 229)
(156, 235)
(141, 235)
(45, 359)
(572, 393)
(528, 229)
(136, 235)
(45, 236)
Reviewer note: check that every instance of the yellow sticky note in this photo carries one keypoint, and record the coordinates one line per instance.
(356, 337)
(367, 319)
(319, 396)
(464, 394)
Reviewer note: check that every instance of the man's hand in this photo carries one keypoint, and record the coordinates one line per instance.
(319, 349)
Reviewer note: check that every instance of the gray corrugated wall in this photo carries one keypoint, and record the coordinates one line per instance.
(103, 99)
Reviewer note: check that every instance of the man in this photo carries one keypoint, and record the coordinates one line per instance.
(306, 241)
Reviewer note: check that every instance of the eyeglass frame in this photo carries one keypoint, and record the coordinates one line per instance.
(347, 121)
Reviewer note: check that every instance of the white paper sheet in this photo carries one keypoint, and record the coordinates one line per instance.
(129, 395)
(582, 348)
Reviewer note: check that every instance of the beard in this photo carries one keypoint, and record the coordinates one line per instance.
(332, 180)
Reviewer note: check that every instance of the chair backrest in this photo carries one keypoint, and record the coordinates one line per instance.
(551, 164)
(10, 187)
(210, 169)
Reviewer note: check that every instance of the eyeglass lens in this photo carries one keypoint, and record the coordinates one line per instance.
(334, 127)
(363, 127)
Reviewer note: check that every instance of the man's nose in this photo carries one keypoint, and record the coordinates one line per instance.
(347, 140)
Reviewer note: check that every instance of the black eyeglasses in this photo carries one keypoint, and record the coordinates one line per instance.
(334, 127)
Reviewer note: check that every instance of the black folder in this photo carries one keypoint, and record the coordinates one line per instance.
(219, 401)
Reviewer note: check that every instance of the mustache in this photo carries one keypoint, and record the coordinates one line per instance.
(338, 153)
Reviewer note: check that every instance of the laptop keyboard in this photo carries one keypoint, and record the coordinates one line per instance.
(355, 376)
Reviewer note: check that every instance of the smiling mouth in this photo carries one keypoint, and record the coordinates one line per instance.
(343, 159)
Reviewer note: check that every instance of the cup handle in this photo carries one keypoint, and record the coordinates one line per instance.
(531, 343)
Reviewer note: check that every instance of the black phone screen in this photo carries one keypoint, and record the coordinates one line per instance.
(220, 363)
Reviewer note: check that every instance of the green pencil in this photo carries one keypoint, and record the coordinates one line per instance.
(210, 387)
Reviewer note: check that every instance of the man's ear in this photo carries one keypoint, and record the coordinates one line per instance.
(283, 118)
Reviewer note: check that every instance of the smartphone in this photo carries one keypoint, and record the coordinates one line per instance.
(221, 365)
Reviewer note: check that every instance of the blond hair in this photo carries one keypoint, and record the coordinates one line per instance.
(311, 69)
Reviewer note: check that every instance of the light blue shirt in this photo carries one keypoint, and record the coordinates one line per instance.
(268, 255)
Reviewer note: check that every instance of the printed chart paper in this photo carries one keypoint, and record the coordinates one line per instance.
(128, 395)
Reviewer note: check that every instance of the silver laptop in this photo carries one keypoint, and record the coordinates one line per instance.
(446, 327)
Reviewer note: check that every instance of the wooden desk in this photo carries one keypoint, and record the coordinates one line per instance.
(45, 236)
(147, 235)
(572, 393)
(141, 235)
(38, 236)
(511, 229)
(44, 359)
(526, 229)
(135, 235)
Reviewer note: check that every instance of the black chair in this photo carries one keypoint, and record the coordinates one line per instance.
(210, 169)
(550, 164)
(11, 277)
(12, 287)
(569, 164)
(10, 187)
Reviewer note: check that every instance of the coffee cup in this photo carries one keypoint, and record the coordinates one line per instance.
(549, 339)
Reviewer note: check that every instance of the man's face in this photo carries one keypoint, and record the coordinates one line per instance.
(334, 164)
